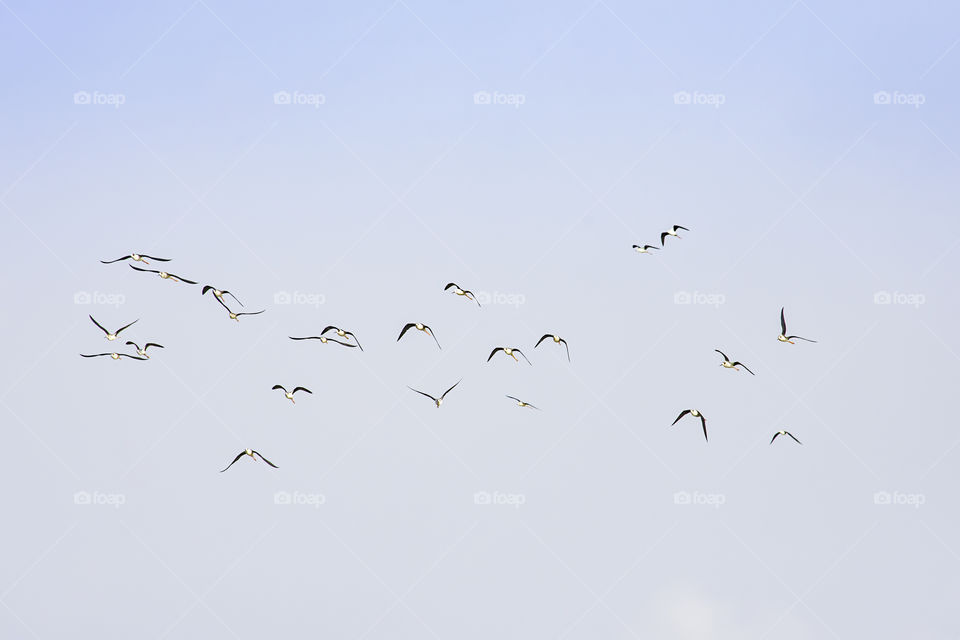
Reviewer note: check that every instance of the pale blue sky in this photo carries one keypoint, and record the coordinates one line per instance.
(801, 189)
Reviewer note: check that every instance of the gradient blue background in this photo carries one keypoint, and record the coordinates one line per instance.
(799, 191)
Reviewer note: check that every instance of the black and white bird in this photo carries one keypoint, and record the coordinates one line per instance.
(236, 315)
(461, 292)
(437, 401)
(289, 394)
(323, 340)
(783, 337)
(114, 335)
(672, 231)
(557, 340)
(253, 454)
(419, 326)
(143, 352)
(521, 403)
(164, 275)
(728, 364)
(115, 356)
(219, 294)
(644, 248)
(136, 257)
(509, 351)
(784, 433)
(695, 414)
(346, 335)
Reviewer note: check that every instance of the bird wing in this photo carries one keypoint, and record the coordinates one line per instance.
(451, 284)
(142, 269)
(676, 226)
(127, 355)
(265, 460)
(725, 358)
(783, 323)
(662, 237)
(545, 336)
(295, 389)
(524, 357)
(143, 255)
(239, 455)
(703, 421)
(329, 327)
(278, 386)
(117, 260)
(799, 338)
(650, 246)
(517, 399)
(249, 313)
(181, 278)
(423, 394)
(493, 352)
(432, 335)
(206, 288)
(152, 344)
(794, 439)
(406, 328)
(95, 355)
(451, 388)
(354, 337)
(345, 344)
(682, 413)
(126, 325)
(305, 338)
(99, 325)
(774, 437)
(134, 344)
(567, 347)
(740, 364)
(223, 304)
(227, 293)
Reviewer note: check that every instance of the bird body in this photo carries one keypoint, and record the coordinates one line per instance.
(253, 454)
(289, 394)
(672, 231)
(557, 340)
(419, 326)
(510, 351)
(784, 433)
(437, 401)
(696, 414)
(732, 364)
(783, 337)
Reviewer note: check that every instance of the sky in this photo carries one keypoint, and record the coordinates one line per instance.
(338, 164)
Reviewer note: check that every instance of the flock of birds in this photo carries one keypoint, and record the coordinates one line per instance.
(348, 339)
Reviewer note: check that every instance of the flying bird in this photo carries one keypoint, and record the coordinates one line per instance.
(289, 394)
(136, 257)
(143, 352)
(324, 340)
(557, 340)
(509, 351)
(521, 403)
(461, 292)
(695, 414)
(236, 316)
(437, 401)
(343, 334)
(165, 275)
(645, 248)
(253, 454)
(672, 231)
(783, 337)
(115, 334)
(419, 326)
(784, 433)
(115, 356)
(219, 294)
(728, 364)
